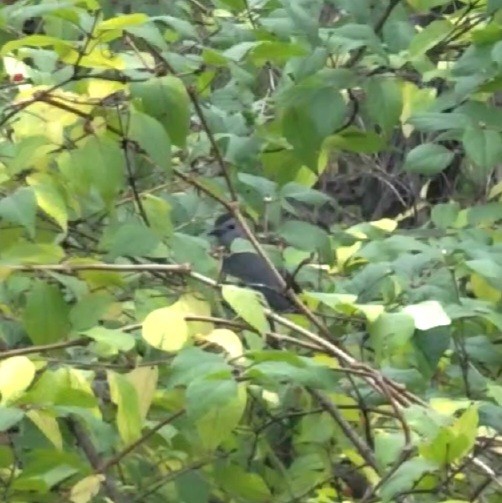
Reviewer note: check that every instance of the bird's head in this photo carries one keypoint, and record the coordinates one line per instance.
(226, 229)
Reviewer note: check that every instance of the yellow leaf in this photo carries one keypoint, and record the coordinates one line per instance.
(344, 253)
(50, 120)
(191, 305)
(48, 425)
(483, 290)
(98, 89)
(49, 198)
(371, 311)
(495, 191)
(85, 490)
(16, 374)
(386, 224)
(98, 58)
(144, 379)
(166, 328)
(228, 340)
(448, 407)
(122, 21)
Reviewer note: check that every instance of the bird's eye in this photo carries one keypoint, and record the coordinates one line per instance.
(231, 227)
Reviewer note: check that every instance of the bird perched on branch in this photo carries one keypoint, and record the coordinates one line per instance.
(249, 267)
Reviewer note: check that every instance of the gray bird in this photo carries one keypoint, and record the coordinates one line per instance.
(249, 267)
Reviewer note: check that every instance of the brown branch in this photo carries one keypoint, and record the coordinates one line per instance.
(94, 458)
(83, 341)
(361, 446)
(192, 94)
(106, 465)
(68, 268)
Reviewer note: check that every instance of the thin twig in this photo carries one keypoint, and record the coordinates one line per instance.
(106, 465)
(67, 267)
(83, 341)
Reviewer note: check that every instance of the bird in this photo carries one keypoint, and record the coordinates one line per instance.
(250, 267)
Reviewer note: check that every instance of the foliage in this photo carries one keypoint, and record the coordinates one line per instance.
(364, 139)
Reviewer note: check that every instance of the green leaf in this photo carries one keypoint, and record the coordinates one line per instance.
(246, 303)
(483, 146)
(20, 208)
(193, 363)
(46, 315)
(152, 138)
(28, 151)
(131, 239)
(430, 36)
(166, 99)
(445, 215)
(428, 159)
(354, 140)
(405, 477)
(352, 36)
(308, 237)
(276, 52)
(118, 340)
(9, 416)
(300, 131)
(99, 166)
(88, 310)
(243, 485)
(390, 332)
(124, 396)
(384, 102)
(430, 122)
(28, 253)
(210, 392)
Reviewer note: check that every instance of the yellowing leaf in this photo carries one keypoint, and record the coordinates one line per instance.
(218, 424)
(246, 303)
(483, 290)
(98, 88)
(192, 305)
(125, 397)
(123, 21)
(166, 328)
(48, 119)
(49, 198)
(428, 314)
(371, 311)
(386, 224)
(16, 374)
(228, 340)
(85, 490)
(47, 423)
(344, 253)
(495, 191)
(447, 406)
(98, 58)
(144, 380)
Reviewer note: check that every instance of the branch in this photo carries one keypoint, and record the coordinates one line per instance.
(94, 458)
(106, 465)
(83, 341)
(349, 432)
(68, 268)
